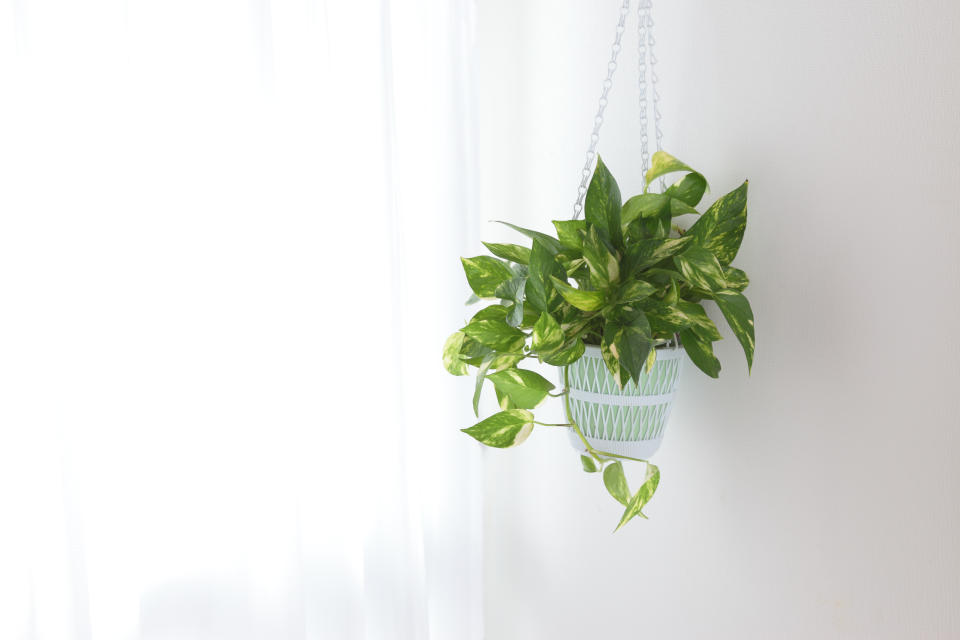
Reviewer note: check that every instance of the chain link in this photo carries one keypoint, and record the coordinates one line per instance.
(647, 62)
(642, 7)
(598, 120)
(651, 41)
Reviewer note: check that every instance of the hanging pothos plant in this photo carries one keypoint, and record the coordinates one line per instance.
(626, 279)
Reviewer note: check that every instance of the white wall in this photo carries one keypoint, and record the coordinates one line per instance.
(819, 497)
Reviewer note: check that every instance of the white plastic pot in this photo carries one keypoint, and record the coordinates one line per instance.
(629, 421)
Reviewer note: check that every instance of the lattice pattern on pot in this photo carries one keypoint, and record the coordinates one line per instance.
(612, 421)
(590, 373)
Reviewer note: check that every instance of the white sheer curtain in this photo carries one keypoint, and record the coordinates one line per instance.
(228, 242)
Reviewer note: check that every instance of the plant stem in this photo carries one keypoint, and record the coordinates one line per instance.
(547, 424)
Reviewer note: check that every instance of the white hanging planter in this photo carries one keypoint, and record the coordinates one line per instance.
(629, 421)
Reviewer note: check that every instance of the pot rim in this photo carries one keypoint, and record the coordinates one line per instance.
(664, 352)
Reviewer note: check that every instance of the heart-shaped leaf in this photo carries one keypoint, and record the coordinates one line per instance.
(736, 309)
(629, 343)
(496, 334)
(526, 389)
(504, 429)
(604, 266)
(583, 300)
(645, 205)
(634, 291)
(642, 496)
(663, 163)
(540, 292)
(700, 268)
(485, 274)
(602, 207)
(547, 335)
(451, 354)
(616, 482)
(700, 352)
(570, 233)
(511, 252)
(688, 189)
(720, 229)
(570, 353)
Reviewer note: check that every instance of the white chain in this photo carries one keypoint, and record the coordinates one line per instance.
(645, 44)
(598, 120)
(647, 17)
(643, 8)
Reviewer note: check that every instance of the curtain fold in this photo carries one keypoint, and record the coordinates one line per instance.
(227, 244)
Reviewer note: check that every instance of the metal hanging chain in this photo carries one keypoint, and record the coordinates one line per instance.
(646, 60)
(598, 120)
(643, 8)
(646, 7)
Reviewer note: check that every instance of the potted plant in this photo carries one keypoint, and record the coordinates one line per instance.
(616, 302)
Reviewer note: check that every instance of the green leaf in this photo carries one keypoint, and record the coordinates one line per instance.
(645, 205)
(620, 374)
(472, 352)
(491, 312)
(642, 496)
(688, 189)
(552, 244)
(700, 268)
(515, 314)
(700, 352)
(634, 291)
(451, 354)
(540, 292)
(569, 232)
(683, 315)
(736, 279)
(736, 309)
(646, 253)
(658, 227)
(604, 267)
(530, 316)
(602, 207)
(583, 300)
(569, 354)
(547, 334)
(589, 464)
(496, 334)
(513, 289)
(616, 482)
(663, 163)
(503, 400)
(680, 208)
(673, 296)
(699, 321)
(630, 341)
(511, 252)
(505, 429)
(720, 229)
(526, 389)
(481, 376)
(485, 274)
(506, 360)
